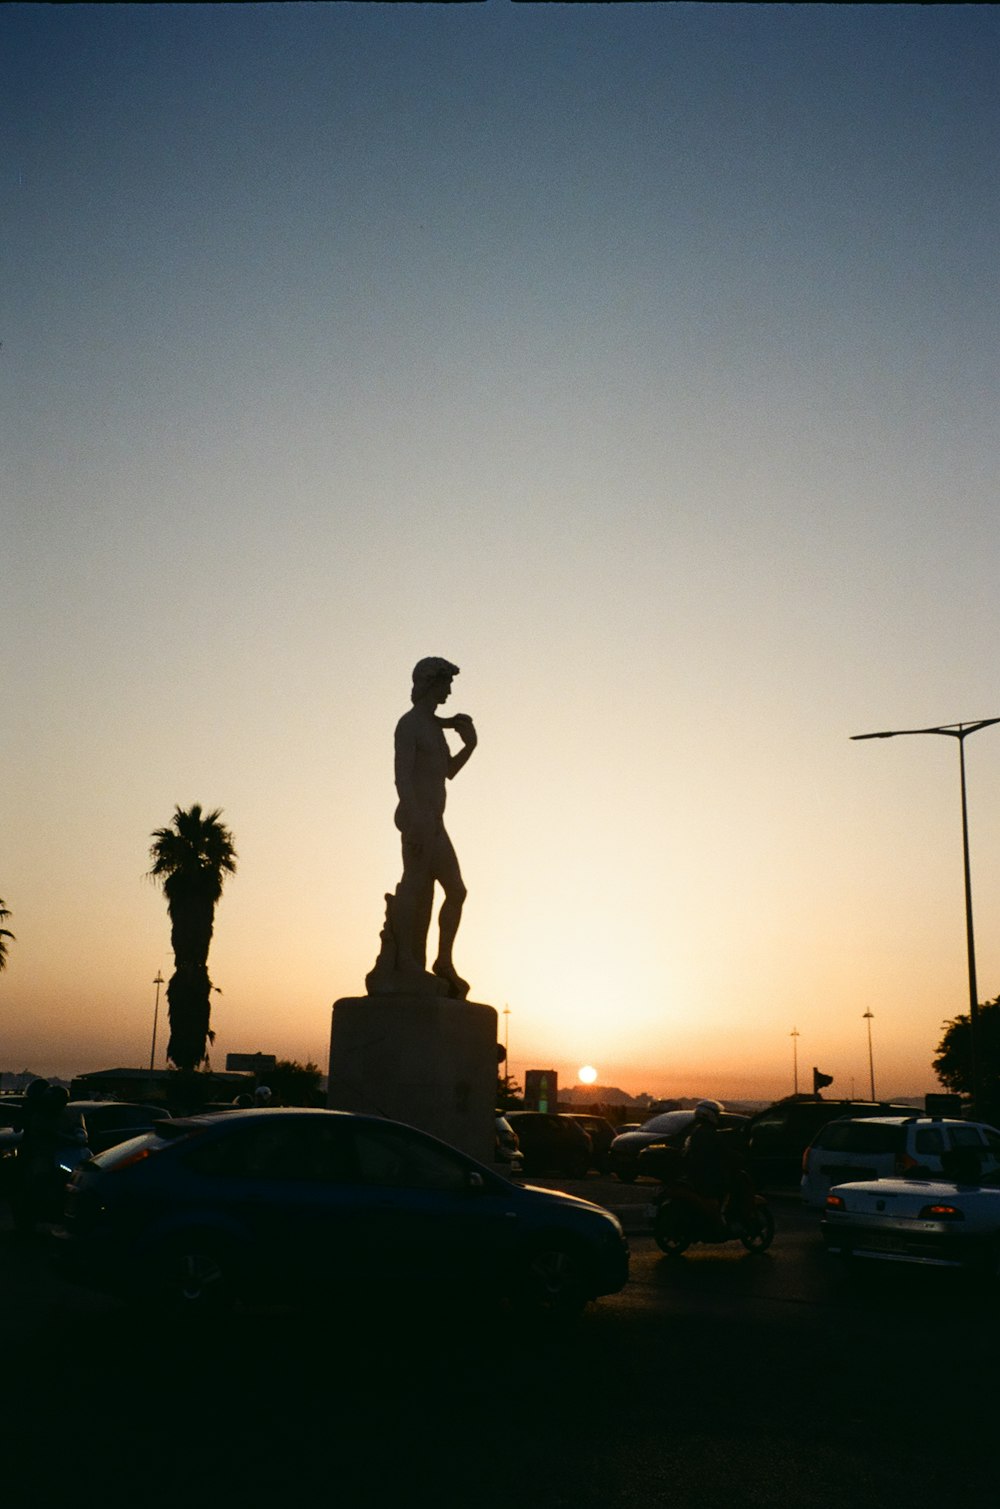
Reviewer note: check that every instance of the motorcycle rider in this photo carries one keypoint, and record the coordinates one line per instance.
(703, 1163)
(713, 1167)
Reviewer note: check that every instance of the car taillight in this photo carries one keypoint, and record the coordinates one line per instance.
(942, 1213)
(136, 1157)
(834, 1202)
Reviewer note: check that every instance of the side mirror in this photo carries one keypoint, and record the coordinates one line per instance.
(475, 1180)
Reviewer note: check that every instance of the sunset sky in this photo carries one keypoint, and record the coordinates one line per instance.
(640, 359)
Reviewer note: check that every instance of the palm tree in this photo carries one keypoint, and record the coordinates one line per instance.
(4, 935)
(191, 859)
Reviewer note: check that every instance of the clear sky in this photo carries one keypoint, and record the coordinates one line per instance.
(642, 360)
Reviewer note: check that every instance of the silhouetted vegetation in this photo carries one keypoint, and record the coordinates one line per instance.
(295, 1084)
(510, 1095)
(953, 1065)
(191, 859)
(5, 934)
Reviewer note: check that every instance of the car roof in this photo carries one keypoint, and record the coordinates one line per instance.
(900, 1121)
(125, 1105)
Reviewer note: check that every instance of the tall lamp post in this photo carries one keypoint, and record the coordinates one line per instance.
(867, 1017)
(794, 1035)
(156, 1012)
(961, 732)
(506, 1060)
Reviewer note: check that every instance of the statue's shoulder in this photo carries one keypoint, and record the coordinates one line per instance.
(420, 726)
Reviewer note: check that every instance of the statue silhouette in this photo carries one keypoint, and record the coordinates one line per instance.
(423, 763)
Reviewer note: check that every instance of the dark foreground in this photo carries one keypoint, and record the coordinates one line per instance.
(722, 1379)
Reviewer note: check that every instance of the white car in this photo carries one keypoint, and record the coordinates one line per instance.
(931, 1221)
(881, 1147)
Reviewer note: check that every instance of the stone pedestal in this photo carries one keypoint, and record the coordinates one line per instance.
(425, 1060)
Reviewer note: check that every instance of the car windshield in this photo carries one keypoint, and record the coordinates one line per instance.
(667, 1121)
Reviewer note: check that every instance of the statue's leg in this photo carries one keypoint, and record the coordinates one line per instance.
(411, 911)
(423, 905)
(449, 875)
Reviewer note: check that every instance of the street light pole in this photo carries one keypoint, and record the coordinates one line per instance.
(961, 732)
(867, 1015)
(506, 1060)
(156, 1012)
(794, 1035)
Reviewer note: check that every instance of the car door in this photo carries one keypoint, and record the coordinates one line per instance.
(971, 1140)
(274, 1189)
(423, 1214)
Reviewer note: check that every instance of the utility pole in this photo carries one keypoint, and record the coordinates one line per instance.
(156, 1012)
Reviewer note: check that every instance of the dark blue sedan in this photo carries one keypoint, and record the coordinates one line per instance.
(290, 1205)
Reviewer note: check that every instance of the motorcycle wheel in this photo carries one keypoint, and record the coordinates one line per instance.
(760, 1237)
(672, 1229)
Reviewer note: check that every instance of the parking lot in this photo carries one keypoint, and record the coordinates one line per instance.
(765, 1380)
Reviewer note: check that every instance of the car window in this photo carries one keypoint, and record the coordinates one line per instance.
(768, 1128)
(386, 1156)
(992, 1139)
(287, 1151)
(965, 1137)
(929, 1140)
(105, 1118)
(860, 1137)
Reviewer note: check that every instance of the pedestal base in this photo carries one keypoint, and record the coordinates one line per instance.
(424, 1060)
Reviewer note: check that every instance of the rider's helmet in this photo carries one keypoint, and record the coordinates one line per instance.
(707, 1110)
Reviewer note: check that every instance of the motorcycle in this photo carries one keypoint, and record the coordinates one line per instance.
(681, 1216)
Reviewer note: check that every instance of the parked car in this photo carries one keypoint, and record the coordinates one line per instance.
(9, 1140)
(551, 1144)
(601, 1134)
(938, 1222)
(10, 1112)
(667, 1129)
(508, 1151)
(778, 1136)
(880, 1147)
(87, 1127)
(288, 1204)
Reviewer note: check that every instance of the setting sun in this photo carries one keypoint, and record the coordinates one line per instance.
(587, 1074)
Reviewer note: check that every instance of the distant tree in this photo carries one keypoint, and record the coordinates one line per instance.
(953, 1065)
(295, 1084)
(5, 933)
(191, 860)
(510, 1095)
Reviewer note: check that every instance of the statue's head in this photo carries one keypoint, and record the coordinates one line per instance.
(429, 670)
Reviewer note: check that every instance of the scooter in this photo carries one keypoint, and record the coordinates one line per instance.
(682, 1216)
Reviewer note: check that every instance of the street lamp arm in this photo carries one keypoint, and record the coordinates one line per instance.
(955, 730)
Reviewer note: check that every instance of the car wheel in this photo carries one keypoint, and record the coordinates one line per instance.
(760, 1236)
(672, 1229)
(551, 1283)
(194, 1276)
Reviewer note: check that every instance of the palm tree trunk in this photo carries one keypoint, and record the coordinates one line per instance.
(189, 990)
